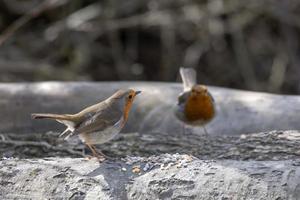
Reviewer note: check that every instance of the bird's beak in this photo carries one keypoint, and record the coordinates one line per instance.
(137, 92)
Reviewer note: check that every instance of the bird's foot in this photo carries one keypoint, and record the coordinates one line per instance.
(98, 157)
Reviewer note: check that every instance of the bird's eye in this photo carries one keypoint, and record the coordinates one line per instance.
(130, 96)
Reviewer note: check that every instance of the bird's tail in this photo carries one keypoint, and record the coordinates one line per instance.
(67, 120)
(189, 78)
(51, 116)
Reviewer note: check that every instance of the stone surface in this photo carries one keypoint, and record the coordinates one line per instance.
(166, 177)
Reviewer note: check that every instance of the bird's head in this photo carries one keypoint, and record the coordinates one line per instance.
(124, 99)
(199, 90)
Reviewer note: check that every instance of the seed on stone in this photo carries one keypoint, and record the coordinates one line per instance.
(136, 169)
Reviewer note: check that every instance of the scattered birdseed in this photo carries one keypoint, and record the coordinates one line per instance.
(164, 161)
(136, 169)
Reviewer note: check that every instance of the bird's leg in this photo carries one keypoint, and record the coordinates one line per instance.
(183, 128)
(102, 154)
(206, 134)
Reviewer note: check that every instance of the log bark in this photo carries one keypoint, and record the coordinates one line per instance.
(238, 112)
(158, 177)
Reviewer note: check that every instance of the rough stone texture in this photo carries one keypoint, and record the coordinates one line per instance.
(238, 112)
(163, 177)
(275, 145)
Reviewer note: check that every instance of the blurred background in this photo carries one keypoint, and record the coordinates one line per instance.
(249, 44)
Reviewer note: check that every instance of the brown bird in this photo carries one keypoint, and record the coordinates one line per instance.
(98, 123)
(196, 105)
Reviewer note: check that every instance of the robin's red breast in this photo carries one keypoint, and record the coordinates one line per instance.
(195, 104)
(98, 123)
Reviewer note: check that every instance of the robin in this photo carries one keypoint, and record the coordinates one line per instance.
(98, 123)
(196, 105)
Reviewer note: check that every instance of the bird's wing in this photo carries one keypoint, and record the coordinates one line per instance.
(189, 78)
(100, 120)
(212, 98)
(182, 98)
